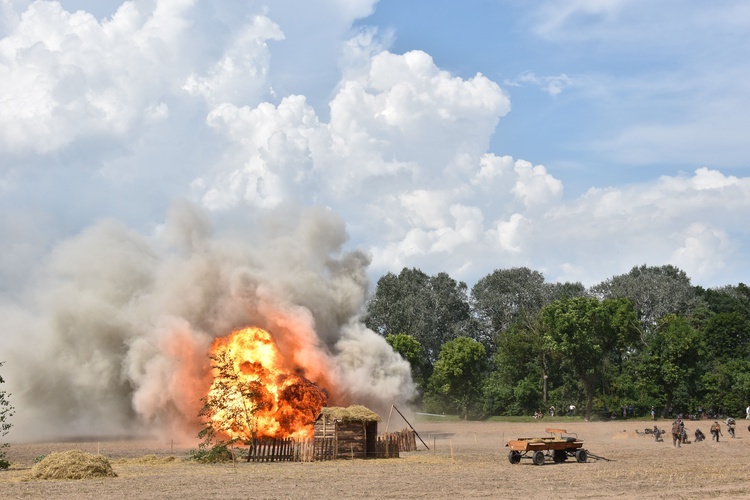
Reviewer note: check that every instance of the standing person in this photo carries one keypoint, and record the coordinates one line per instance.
(747, 413)
(730, 425)
(653, 413)
(677, 428)
(552, 411)
(716, 431)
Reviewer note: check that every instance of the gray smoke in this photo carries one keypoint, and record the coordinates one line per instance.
(112, 335)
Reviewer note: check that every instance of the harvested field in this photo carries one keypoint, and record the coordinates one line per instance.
(469, 460)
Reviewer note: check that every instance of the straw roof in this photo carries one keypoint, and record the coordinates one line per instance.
(72, 464)
(353, 412)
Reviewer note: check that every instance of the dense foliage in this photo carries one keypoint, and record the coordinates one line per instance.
(516, 345)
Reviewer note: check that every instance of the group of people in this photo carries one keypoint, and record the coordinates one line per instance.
(571, 410)
(679, 434)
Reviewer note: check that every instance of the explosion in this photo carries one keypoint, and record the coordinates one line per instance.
(254, 394)
(114, 337)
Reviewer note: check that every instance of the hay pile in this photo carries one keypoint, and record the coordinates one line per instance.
(353, 412)
(148, 460)
(73, 464)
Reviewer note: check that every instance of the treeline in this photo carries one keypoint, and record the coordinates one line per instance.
(515, 344)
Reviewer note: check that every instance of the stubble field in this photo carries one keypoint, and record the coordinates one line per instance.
(466, 460)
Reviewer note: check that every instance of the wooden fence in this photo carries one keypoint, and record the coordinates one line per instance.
(291, 450)
(388, 445)
(323, 448)
(273, 450)
(407, 440)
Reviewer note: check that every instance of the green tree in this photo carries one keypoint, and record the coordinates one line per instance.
(232, 403)
(728, 299)
(431, 309)
(519, 381)
(501, 297)
(562, 291)
(456, 380)
(6, 412)
(727, 335)
(412, 351)
(585, 334)
(653, 291)
(672, 357)
(507, 296)
(727, 386)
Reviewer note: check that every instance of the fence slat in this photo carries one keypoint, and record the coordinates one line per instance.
(323, 448)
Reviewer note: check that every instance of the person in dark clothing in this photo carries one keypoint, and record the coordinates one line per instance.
(699, 436)
(677, 428)
(730, 425)
(716, 431)
(657, 434)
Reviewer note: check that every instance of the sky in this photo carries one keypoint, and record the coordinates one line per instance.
(578, 138)
(172, 170)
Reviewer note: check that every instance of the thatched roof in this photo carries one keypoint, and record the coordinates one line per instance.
(353, 412)
(73, 464)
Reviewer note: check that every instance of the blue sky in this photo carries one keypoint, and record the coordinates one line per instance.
(620, 66)
(173, 169)
(585, 115)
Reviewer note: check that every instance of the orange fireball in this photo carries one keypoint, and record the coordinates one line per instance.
(254, 395)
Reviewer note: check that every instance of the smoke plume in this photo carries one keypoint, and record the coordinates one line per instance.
(112, 336)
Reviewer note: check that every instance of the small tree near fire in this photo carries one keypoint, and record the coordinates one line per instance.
(6, 411)
(231, 405)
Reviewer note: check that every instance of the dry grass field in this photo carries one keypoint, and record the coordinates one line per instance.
(466, 460)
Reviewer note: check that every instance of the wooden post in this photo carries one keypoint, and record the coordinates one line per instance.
(389, 420)
(412, 427)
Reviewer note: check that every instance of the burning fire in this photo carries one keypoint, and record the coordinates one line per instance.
(254, 394)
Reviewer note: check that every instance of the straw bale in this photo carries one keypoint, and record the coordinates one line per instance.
(151, 460)
(353, 412)
(72, 464)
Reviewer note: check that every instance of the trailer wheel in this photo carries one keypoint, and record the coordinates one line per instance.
(581, 456)
(514, 457)
(538, 458)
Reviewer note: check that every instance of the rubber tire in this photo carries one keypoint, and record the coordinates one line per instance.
(538, 458)
(560, 456)
(581, 456)
(514, 457)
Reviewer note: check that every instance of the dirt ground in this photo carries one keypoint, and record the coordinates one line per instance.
(465, 460)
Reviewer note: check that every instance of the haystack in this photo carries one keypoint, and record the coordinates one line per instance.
(72, 464)
(353, 412)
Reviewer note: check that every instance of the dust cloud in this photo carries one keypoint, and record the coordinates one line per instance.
(111, 336)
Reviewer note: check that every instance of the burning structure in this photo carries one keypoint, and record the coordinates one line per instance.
(253, 395)
(121, 334)
(353, 430)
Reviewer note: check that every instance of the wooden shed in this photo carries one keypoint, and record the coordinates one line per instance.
(352, 432)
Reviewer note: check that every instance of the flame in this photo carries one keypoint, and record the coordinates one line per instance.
(256, 394)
